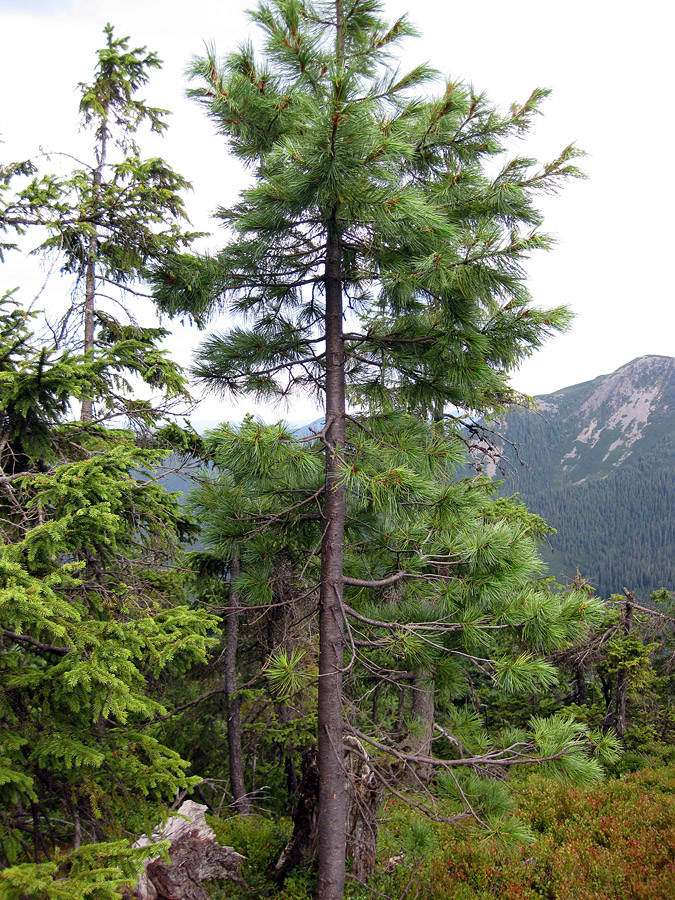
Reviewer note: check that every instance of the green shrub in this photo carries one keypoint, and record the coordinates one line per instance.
(260, 840)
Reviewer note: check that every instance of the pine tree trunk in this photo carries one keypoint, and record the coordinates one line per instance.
(236, 760)
(89, 294)
(365, 793)
(616, 691)
(332, 792)
(423, 714)
(304, 840)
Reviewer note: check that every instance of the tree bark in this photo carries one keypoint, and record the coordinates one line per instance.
(365, 793)
(304, 840)
(194, 857)
(236, 758)
(616, 691)
(423, 713)
(332, 792)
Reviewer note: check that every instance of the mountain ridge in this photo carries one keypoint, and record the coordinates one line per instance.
(599, 466)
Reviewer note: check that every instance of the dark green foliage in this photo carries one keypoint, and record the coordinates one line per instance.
(629, 654)
(94, 610)
(260, 839)
(618, 531)
(373, 192)
(106, 223)
(377, 260)
(134, 207)
(92, 872)
(432, 246)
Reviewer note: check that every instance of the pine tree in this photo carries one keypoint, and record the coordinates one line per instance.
(233, 501)
(379, 258)
(438, 580)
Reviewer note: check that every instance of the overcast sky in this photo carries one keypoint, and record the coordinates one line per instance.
(609, 65)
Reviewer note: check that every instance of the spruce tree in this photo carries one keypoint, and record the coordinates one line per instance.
(378, 261)
(94, 613)
(106, 223)
(94, 609)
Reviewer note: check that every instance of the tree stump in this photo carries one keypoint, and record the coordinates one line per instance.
(194, 856)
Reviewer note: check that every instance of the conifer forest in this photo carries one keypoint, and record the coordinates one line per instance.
(339, 643)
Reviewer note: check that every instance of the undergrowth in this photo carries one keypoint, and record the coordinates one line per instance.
(614, 840)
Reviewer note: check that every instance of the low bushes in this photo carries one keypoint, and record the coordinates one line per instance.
(615, 841)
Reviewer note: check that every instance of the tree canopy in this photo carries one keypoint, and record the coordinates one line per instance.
(377, 261)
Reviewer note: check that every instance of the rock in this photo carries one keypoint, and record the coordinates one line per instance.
(194, 856)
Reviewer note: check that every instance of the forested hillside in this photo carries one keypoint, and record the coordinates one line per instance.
(599, 466)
